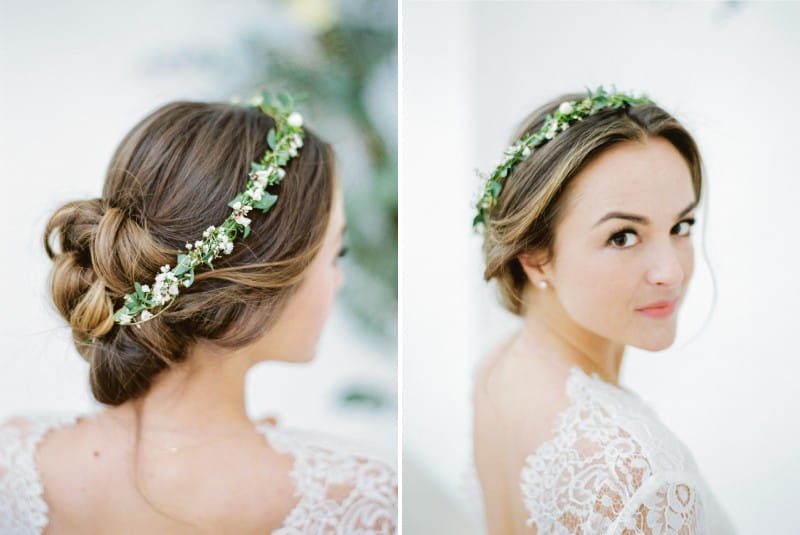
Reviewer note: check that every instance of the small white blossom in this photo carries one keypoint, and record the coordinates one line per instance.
(241, 219)
(165, 268)
(566, 108)
(198, 243)
(145, 288)
(295, 119)
(146, 315)
(173, 288)
(526, 152)
(237, 205)
(187, 283)
(125, 319)
(188, 246)
(255, 194)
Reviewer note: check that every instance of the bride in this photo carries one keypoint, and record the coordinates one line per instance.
(586, 230)
(172, 293)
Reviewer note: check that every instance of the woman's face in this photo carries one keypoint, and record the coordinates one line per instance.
(625, 242)
(295, 334)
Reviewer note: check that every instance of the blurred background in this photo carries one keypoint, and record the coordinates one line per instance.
(75, 77)
(728, 386)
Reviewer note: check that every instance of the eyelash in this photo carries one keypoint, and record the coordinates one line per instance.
(342, 252)
(631, 230)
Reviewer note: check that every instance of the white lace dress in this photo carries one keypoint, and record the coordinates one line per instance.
(369, 508)
(613, 468)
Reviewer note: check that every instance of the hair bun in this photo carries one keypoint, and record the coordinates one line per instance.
(78, 293)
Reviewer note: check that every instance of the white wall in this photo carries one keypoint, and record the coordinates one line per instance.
(471, 72)
(74, 78)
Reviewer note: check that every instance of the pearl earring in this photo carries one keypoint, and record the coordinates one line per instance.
(542, 284)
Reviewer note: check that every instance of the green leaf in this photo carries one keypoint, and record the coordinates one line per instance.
(497, 187)
(184, 265)
(284, 100)
(271, 141)
(257, 167)
(246, 231)
(139, 292)
(237, 199)
(266, 202)
(189, 278)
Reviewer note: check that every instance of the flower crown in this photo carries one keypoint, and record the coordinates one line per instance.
(568, 112)
(284, 140)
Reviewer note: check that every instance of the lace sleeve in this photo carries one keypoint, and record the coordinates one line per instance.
(23, 510)
(338, 492)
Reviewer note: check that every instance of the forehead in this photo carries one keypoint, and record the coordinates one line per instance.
(643, 178)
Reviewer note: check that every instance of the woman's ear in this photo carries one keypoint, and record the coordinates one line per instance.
(533, 265)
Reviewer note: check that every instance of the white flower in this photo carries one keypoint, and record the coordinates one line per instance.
(255, 194)
(189, 246)
(198, 243)
(165, 268)
(565, 108)
(228, 247)
(187, 282)
(145, 288)
(237, 205)
(246, 209)
(280, 172)
(173, 288)
(298, 140)
(146, 315)
(295, 119)
(125, 319)
(241, 219)
(526, 152)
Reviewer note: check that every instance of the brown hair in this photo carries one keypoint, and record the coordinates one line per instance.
(170, 178)
(532, 200)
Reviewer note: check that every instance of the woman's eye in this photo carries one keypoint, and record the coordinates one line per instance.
(342, 252)
(620, 238)
(688, 225)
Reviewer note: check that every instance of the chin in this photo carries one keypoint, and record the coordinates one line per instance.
(656, 343)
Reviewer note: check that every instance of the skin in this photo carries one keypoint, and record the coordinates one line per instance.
(199, 408)
(587, 315)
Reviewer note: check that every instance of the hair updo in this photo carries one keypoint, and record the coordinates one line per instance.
(531, 202)
(171, 178)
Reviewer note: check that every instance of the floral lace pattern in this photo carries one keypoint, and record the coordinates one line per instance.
(614, 468)
(338, 492)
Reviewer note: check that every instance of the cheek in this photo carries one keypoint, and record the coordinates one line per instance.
(595, 288)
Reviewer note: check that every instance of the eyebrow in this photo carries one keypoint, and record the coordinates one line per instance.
(640, 218)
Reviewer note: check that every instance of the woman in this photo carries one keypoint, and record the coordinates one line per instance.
(587, 233)
(168, 347)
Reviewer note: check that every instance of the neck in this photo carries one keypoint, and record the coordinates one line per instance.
(548, 327)
(204, 393)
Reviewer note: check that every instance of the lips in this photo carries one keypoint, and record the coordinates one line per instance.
(659, 309)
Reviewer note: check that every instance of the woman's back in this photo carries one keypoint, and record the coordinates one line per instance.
(516, 400)
(70, 475)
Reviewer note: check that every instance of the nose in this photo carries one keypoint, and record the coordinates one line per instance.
(666, 268)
